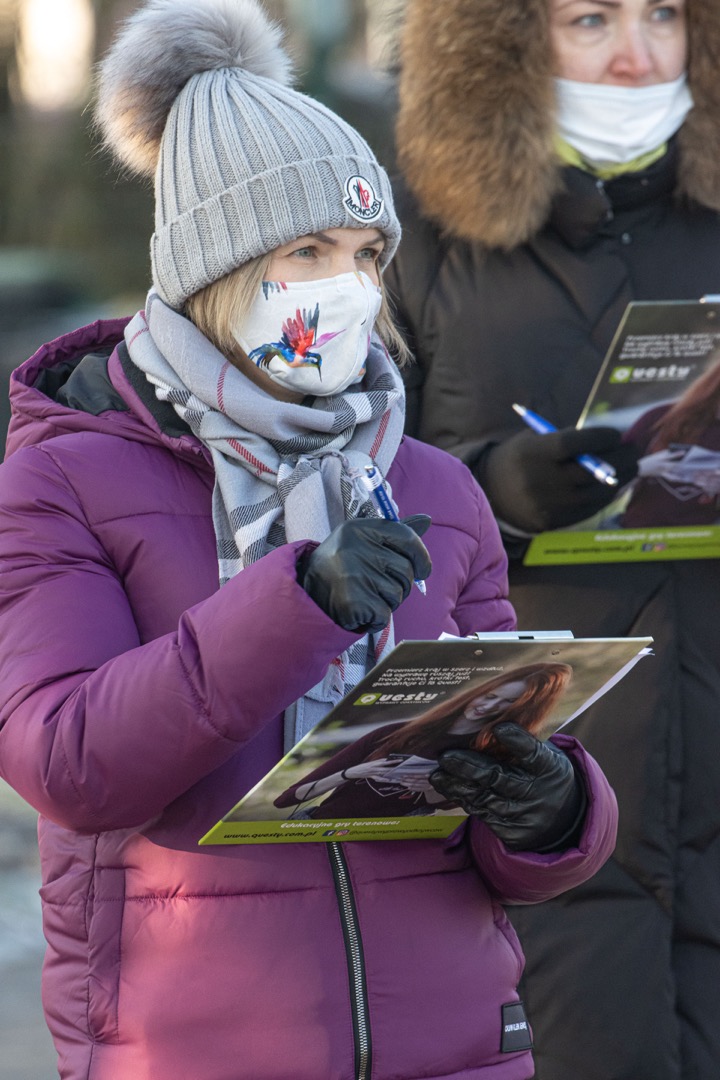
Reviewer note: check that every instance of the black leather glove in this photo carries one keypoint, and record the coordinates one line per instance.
(534, 483)
(364, 570)
(525, 790)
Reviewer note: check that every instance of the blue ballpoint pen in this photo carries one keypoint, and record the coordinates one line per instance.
(601, 470)
(373, 481)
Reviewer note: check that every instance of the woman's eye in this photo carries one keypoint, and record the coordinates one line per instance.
(590, 21)
(373, 254)
(664, 14)
(304, 252)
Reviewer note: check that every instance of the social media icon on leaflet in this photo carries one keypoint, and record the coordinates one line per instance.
(329, 832)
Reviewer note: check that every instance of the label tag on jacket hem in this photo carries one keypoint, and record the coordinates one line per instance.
(515, 1029)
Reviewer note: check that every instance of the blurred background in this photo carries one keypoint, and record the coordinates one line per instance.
(74, 240)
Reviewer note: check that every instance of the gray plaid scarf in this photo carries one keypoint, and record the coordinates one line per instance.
(283, 472)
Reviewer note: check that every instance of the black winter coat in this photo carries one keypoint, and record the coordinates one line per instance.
(621, 971)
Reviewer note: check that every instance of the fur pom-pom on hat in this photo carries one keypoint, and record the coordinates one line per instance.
(194, 92)
(158, 51)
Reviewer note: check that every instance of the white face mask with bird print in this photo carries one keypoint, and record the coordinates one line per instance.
(312, 337)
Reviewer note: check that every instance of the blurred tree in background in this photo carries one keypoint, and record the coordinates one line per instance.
(60, 196)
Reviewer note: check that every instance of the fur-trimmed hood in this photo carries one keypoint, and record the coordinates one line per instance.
(475, 129)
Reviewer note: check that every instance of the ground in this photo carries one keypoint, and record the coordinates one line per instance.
(27, 1051)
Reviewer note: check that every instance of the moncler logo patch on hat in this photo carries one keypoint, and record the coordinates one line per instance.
(515, 1029)
(362, 202)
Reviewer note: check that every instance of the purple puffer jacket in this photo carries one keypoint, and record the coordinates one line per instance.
(139, 702)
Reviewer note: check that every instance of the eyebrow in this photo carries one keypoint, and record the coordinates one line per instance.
(599, 3)
(325, 239)
(605, 3)
(322, 237)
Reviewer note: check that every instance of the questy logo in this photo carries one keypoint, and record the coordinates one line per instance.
(361, 200)
(366, 699)
(651, 373)
(393, 699)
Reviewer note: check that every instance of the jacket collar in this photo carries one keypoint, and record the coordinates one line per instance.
(78, 383)
(587, 207)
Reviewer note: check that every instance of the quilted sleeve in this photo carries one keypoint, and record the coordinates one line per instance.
(526, 878)
(98, 731)
(483, 604)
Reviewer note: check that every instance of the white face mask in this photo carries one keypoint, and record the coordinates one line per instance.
(611, 125)
(312, 336)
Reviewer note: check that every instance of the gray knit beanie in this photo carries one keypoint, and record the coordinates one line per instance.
(193, 92)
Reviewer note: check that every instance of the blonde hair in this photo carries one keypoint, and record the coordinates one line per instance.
(223, 304)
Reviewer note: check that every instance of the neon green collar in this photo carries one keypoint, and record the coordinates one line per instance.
(570, 156)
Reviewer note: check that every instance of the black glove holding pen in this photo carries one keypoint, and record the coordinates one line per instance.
(525, 790)
(364, 570)
(534, 483)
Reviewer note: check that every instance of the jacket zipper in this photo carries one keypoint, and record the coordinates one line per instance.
(355, 960)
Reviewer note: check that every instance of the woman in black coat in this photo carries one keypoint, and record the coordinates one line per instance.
(520, 253)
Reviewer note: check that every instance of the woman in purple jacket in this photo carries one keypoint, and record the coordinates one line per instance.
(216, 439)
